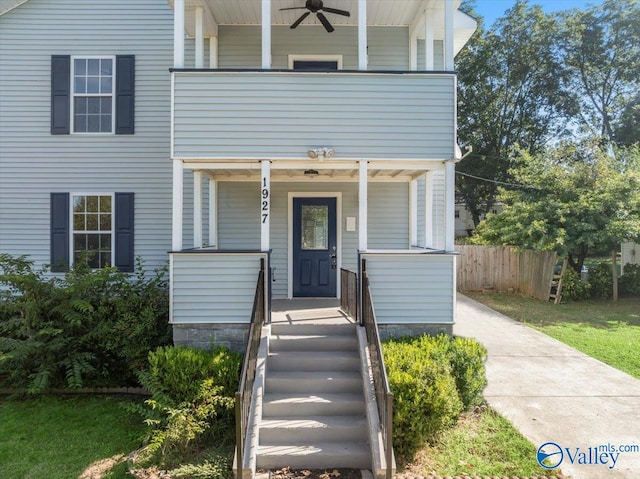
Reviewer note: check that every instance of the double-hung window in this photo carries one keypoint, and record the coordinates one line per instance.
(92, 234)
(93, 94)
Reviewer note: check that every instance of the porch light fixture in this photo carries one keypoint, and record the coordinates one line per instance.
(311, 173)
(320, 153)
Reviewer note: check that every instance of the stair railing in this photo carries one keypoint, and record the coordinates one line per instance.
(384, 398)
(349, 292)
(259, 317)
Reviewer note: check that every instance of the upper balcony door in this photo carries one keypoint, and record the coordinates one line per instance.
(315, 63)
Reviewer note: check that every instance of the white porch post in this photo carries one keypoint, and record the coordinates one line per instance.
(428, 209)
(362, 206)
(428, 42)
(266, 34)
(362, 35)
(413, 213)
(449, 205)
(265, 205)
(213, 213)
(413, 52)
(213, 52)
(448, 35)
(197, 209)
(178, 34)
(176, 213)
(199, 37)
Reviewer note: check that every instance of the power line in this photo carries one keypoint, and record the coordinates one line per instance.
(488, 180)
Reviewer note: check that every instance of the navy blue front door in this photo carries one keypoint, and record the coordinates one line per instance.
(314, 247)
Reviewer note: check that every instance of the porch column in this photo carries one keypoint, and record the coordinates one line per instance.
(213, 52)
(199, 37)
(178, 34)
(362, 35)
(413, 213)
(448, 35)
(197, 209)
(265, 205)
(266, 34)
(449, 205)
(428, 41)
(362, 206)
(213, 212)
(176, 212)
(428, 209)
(413, 52)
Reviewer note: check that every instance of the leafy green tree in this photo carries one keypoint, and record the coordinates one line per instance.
(599, 50)
(509, 95)
(574, 199)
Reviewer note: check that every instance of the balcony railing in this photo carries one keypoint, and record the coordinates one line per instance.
(349, 292)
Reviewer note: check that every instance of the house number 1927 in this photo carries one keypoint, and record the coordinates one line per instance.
(265, 200)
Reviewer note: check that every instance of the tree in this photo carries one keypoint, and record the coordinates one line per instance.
(509, 95)
(600, 52)
(627, 129)
(574, 199)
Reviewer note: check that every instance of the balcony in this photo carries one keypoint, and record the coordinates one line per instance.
(280, 114)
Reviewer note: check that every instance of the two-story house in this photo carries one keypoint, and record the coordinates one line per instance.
(298, 138)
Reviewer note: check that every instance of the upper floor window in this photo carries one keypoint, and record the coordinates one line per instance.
(315, 62)
(93, 94)
(92, 87)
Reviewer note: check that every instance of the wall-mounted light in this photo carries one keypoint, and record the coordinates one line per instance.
(311, 173)
(320, 153)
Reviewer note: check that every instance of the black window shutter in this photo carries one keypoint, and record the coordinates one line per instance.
(125, 94)
(124, 212)
(60, 94)
(59, 232)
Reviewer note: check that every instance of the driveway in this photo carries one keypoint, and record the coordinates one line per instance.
(553, 393)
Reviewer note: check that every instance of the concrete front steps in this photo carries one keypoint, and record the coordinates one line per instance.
(313, 409)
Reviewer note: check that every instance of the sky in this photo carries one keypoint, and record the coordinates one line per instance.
(492, 9)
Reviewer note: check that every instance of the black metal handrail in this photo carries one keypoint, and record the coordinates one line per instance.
(349, 292)
(384, 398)
(245, 388)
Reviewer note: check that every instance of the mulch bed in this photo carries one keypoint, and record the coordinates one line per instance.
(287, 473)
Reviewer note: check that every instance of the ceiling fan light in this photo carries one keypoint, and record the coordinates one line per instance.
(311, 173)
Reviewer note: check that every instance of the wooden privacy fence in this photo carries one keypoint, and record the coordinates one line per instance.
(502, 268)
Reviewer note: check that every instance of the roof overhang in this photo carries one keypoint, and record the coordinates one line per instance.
(8, 5)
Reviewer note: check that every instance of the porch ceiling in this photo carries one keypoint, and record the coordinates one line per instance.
(323, 174)
(395, 13)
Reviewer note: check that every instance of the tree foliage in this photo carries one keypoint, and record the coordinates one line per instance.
(575, 199)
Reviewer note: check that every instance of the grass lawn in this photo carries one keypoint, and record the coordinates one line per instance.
(602, 329)
(483, 443)
(66, 438)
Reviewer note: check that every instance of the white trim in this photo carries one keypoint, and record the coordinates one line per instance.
(171, 289)
(362, 206)
(199, 40)
(264, 206)
(172, 117)
(449, 52)
(312, 194)
(72, 115)
(197, 209)
(266, 34)
(413, 52)
(176, 206)
(213, 213)
(178, 34)
(112, 231)
(428, 210)
(213, 52)
(449, 206)
(362, 35)
(428, 42)
(293, 57)
(413, 213)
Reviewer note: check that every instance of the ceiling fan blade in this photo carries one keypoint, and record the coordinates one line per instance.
(344, 13)
(300, 20)
(327, 26)
(293, 8)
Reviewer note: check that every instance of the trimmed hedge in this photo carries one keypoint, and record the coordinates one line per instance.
(433, 380)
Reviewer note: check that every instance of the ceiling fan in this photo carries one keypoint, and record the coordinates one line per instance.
(317, 7)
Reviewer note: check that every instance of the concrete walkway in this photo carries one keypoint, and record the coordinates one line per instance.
(553, 393)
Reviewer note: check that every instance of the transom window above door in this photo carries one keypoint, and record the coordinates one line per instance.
(315, 62)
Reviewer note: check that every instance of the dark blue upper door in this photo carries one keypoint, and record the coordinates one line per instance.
(314, 247)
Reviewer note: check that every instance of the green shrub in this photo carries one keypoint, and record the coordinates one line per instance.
(88, 328)
(215, 465)
(192, 403)
(573, 288)
(630, 280)
(467, 359)
(601, 280)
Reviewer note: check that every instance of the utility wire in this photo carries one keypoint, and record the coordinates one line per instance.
(495, 181)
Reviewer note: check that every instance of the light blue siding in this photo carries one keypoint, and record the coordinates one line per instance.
(412, 288)
(213, 288)
(257, 114)
(33, 163)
